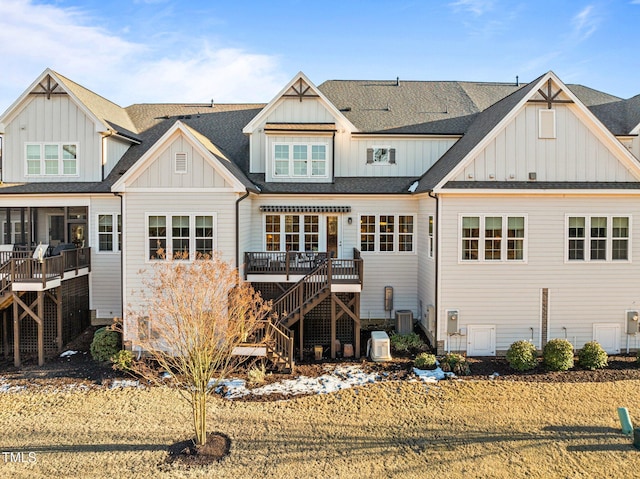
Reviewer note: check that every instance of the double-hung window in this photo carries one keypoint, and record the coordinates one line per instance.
(387, 233)
(181, 237)
(300, 160)
(109, 232)
(492, 238)
(51, 159)
(598, 238)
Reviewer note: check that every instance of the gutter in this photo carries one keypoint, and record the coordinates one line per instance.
(436, 258)
(238, 228)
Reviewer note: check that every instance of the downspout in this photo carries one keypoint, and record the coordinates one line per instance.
(238, 228)
(437, 265)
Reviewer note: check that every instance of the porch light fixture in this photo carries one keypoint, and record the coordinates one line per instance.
(349, 220)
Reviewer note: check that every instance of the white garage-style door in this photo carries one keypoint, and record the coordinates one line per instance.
(608, 335)
(481, 340)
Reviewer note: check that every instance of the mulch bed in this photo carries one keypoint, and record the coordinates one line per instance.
(186, 453)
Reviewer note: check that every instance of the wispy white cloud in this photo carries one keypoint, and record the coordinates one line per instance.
(125, 71)
(585, 23)
(477, 7)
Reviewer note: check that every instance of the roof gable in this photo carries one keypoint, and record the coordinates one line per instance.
(546, 90)
(302, 89)
(105, 115)
(212, 154)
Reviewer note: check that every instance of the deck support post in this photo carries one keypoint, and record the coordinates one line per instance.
(16, 331)
(40, 322)
(356, 327)
(301, 323)
(333, 325)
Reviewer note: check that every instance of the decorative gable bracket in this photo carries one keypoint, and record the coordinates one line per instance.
(549, 97)
(300, 90)
(49, 87)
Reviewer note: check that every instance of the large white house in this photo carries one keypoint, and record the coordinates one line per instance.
(486, 212)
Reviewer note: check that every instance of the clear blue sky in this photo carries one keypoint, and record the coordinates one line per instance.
(138, 51)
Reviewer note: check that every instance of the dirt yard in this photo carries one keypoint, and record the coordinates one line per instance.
(67, 422)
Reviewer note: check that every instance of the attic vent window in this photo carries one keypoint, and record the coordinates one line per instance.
(547, 124)
(181, 163)
(381, 155)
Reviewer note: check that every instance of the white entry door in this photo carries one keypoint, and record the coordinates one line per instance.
(481, 340)
(608, 335)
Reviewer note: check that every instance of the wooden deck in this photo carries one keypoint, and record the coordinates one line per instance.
(21, 272)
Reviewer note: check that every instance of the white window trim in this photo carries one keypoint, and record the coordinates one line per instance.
(114, 233)
(503, 243)
(43, 173)
(310, 145)
(587, 238)
(322, 235)
(396, 234)
(192, 234)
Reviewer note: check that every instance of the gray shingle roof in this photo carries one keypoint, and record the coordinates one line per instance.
(341, 185)
(103, 109)
(470, 109)
(544, 185)
(481, 126)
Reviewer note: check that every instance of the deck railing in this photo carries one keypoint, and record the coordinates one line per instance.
(282, 263)
(21, 266)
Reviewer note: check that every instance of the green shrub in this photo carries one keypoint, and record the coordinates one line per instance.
(592, 356)
(425, 361)
(522, 356)
(105, 344)
(558, 355)
(455, 363)
(122, 360)
(404, 342)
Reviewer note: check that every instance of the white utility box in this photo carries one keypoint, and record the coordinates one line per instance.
(380, 346)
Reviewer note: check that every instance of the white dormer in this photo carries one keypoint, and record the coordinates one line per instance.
(292, 139)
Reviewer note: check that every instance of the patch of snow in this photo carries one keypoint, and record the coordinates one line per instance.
(8, 388)
(342, 377)
(124, 383)
(432, 375)
(68, 353)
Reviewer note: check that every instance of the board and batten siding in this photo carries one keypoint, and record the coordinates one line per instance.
(380, 269)
(413, 157)
(508, 294)
(140, 204)
(57, 120)
(106, 278)
(161, 172)
(115, 149)
(576, 154)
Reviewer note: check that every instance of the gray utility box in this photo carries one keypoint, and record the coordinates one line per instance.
(404, 321)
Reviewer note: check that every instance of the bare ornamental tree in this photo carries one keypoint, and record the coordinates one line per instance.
(192, 315)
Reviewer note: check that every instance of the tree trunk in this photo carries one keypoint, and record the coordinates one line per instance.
(199, 406)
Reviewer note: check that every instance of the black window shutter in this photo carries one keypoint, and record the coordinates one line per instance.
(369, 156)
(392, 156)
